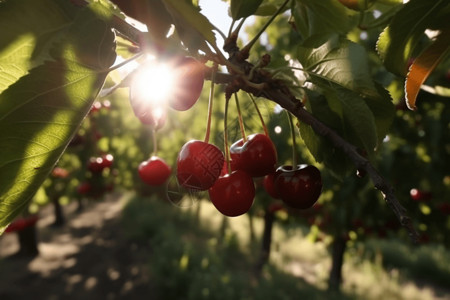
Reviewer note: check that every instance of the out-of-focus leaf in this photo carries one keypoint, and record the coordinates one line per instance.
(423, 65)
(316, 17)
(339, 61)
(397, 42)
(40, 112)
(243, 8)
(192, 26)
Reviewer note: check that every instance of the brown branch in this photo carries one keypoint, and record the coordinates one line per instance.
(296, 108)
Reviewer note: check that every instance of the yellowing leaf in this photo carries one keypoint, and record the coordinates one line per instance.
(423, 65)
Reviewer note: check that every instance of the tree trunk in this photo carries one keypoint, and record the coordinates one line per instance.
(80, 206)
(269, 218)
(251, 228)
(337, 252)
(59, 216)
(28, 242)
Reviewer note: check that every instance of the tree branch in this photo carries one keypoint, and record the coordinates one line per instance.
(297, 109)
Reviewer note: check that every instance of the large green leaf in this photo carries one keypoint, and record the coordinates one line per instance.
(41, 111)
(28, 28)
(396, 44)
(243, 8)
(193, 27)
(339, 61)
(324, 16)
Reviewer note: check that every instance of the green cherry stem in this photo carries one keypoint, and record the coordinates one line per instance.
(241, 121)
(225, 136)
(155, 142)
(210, 104)
(292, 128)
(255, 38)
(266, 132)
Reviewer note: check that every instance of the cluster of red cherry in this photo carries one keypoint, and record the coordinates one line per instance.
(202, 166)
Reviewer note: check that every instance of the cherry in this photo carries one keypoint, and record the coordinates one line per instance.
(147, 111)
(95, 165)
(269, 186)
(199, 165)
(233, 194)
(257, 156)
(84, 188)
(420, 196)
(58, 172)
(108, 160)
(154, 171)
(276, 206)
(300, 187)
(189, 78)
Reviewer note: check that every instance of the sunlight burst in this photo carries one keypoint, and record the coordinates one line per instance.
(154, 83)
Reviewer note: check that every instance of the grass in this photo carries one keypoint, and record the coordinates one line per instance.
(194, 256)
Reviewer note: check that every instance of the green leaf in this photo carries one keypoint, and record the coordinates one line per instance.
(383, 111)
(320, 147)
(396, 44)
(243, 8)
(193, 27)
(339, 61)
(41, 112)
(26, 35)
(318, 17)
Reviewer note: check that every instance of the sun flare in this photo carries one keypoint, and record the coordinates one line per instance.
(154, 83)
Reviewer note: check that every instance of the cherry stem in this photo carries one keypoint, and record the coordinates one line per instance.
(255, 38)
(266, 132)
(210, 104)
(155, 142)
(241, 121)
(225, 136)
(294, 153)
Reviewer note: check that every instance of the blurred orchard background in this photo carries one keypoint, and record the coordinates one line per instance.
(94, 230)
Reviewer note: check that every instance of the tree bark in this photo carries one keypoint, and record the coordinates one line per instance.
(269, 218)
(28, 242)
(59, 216)
(337, 254)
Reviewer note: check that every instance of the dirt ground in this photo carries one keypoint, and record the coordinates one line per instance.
(88, 258)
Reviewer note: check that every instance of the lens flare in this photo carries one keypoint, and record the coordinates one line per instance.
(154, 83)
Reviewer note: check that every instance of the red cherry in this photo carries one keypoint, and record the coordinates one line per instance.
(189, 78)
(257, 156)
(95, 164)
(300, 187)
(233, 193)
(58, 172)
(199, 165)
(96, 106)
(444, 208)
(269, 186)
(276, 206)
(420, 196)
(108, 160)
(154, 171)
(84, 188)
(147, 111)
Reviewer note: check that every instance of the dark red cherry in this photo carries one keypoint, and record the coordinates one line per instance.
(95, 165)
(108, 160)
(419, 195)
(268, 184)
(298, 187)
(199, 165)
(233, 194)
(148, 112)
(257, 156)
(84, 188)
(154, 171)
(188, 83)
